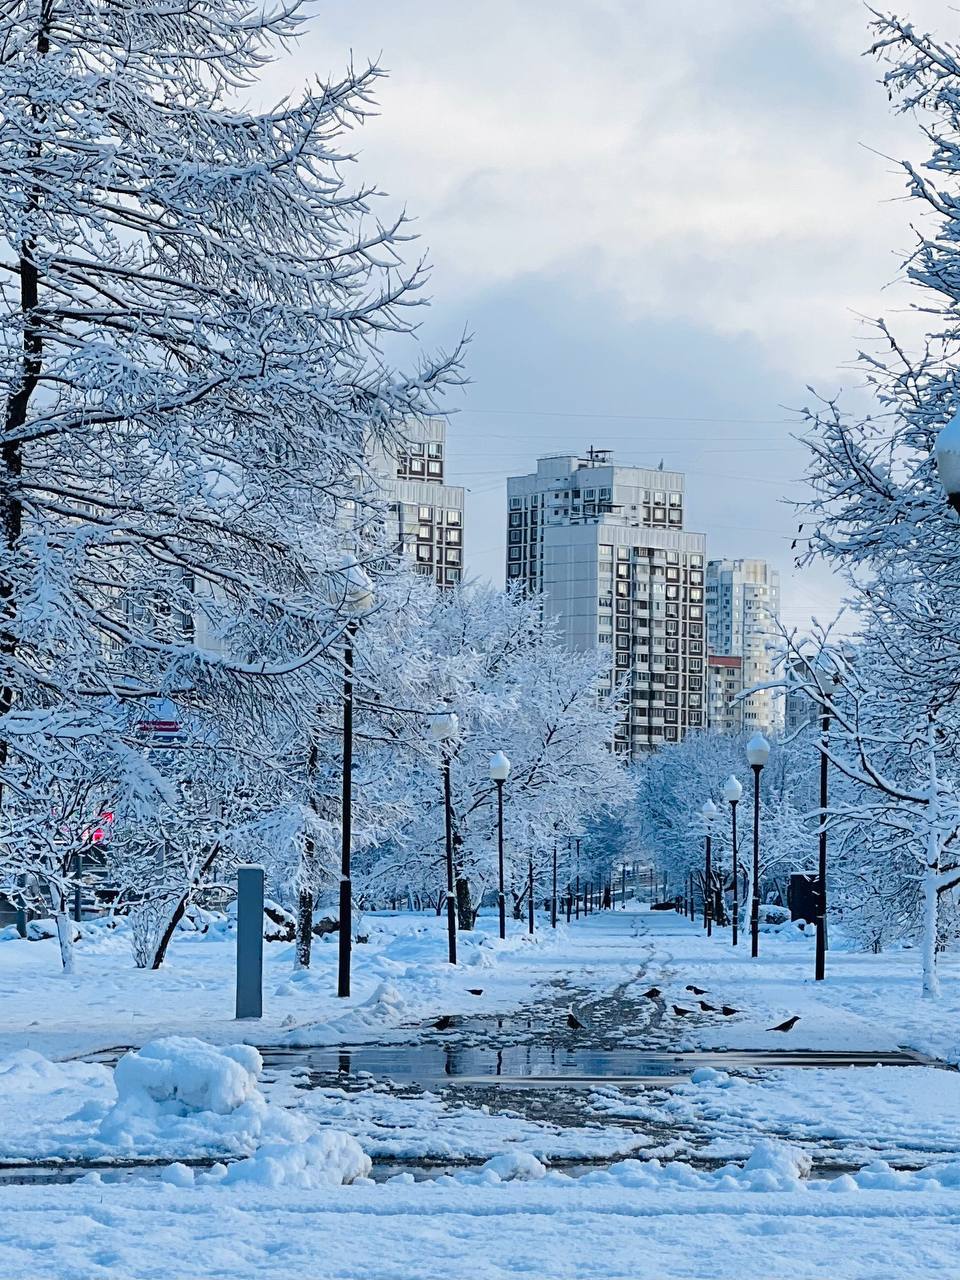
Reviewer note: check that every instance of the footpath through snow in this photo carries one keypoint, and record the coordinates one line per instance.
(289, 1179)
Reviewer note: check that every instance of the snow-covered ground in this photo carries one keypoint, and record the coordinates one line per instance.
(629, 1225)
(280, 1206)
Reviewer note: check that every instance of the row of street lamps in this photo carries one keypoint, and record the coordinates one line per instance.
(758, 753)
(356, 600)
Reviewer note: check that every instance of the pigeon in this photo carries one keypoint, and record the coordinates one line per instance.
(652, 994)
(681, 1013)
(697, 991)
(474, 991)
(728, 1011)
(708, 1008)
(788, 1025)
(573, 1022)
(444, 1022)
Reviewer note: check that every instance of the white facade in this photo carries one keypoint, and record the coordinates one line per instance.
(427, 513)
(743, 611)
(606, 547)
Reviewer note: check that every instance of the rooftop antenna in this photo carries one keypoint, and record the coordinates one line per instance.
(599, 457)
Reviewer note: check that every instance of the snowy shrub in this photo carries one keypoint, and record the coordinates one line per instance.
(148, 922)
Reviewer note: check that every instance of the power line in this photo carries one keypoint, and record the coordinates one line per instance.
(628, 417)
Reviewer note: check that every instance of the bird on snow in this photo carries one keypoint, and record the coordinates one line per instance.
(681, 1013)
(708, 1008)
(728, 1011)
(444, 1022)
(788, 1025)
(474, 991)
(573, 1022)
(697, 991)
(652, 994)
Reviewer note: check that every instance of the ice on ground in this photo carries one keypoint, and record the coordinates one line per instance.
(853, 1114)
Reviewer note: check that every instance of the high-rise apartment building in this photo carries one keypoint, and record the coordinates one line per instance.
(426, 511)
(606, 546)
(724, 683)
(743, 610)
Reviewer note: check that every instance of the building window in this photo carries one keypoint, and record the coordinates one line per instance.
(514, 570)
(435, 468)
(426, 513)
(435, 450)
(453, 517)
(515, 553)
(516, 521)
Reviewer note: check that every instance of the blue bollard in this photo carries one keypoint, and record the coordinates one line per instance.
(250, 942)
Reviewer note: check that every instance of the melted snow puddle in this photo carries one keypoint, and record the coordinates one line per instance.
(540, 1066)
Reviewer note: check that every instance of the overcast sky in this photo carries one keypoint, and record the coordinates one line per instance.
(659, 221)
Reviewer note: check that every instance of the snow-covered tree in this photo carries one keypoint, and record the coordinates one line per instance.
(493, 658)
(193, 301)
(880, 517)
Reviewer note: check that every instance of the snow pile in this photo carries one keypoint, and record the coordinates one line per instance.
(515, 1166)
(327, 1159)
(186, 1097)
(772, 1166)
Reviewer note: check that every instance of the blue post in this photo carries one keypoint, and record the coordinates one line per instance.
(250, 942)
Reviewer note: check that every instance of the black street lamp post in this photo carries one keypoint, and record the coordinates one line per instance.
(732, 793)
(530, 892)
(500, 772)
(553, 899)
(577, 913)
(354, 596)
(709, 813)
(758, 753)
(444, 728)
(820, 970)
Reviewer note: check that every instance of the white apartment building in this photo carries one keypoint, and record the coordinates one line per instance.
(743, 609)
(606, 546)
(427, 512)
(724, 683)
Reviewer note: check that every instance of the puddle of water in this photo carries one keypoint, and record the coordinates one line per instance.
(546, 1066)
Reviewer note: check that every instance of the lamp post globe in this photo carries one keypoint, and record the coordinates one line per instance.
(499, 773)
(444, 725)
(499, 767)
(733, 790)
(758, 751)
(946, 452)
(352, 589)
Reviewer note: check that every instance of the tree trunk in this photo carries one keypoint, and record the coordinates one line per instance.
(931, 876)
(304, 930)
(465, 913)
(64, 930)
(175, 917)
